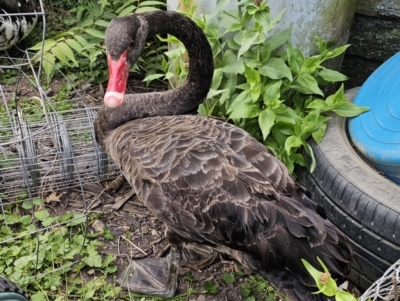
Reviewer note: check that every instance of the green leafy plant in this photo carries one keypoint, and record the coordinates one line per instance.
(263, 83)
(34, 243)
(326, 284)
(253, 287)
(81, 45)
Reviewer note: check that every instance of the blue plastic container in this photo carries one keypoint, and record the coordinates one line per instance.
(376, 133)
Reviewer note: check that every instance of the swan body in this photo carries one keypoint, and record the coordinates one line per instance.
(14, 28)
(209, 181)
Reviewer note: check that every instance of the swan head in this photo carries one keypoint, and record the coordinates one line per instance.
(124, 39)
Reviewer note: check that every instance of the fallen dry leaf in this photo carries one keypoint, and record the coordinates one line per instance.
(53, 197)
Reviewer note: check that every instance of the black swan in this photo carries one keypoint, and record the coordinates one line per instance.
(17, 19)
(208, 181)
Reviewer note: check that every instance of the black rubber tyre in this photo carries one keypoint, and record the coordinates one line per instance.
(358, 200)
(9, 291)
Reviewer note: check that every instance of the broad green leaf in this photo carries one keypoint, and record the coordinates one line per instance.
(217, 78)
(295, 58)
(309, 83)
(102, 23)
(152, 77)
(86, 23)
(292, 142)
(276, 69)
(248, 39)
(272, 91)
(310, 123)
(81, 40)
(327, 287)
(332, 75)
(319, 104)
(311, 64)
(95, 33)
(252, 76)
(67, 52)
(336, 98)
(319, 133)
(243, 97)
(146, 9)
(279, 38)
(151, 3)
(245, 110)
(126, 11)
(236, 67)
(336, 52)
(266, 120)
(322, 45)
(47, 45)
(48, 65)
(286, 115)
(298, 159)
(348, 109)
(74, 45)
(310, 152)
(212, 93)
(344, 296)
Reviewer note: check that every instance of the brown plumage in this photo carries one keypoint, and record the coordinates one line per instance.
(209, 181)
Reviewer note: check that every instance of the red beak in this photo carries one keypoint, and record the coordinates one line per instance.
(117, 78)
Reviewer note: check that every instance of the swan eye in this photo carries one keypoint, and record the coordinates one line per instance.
(132, 44)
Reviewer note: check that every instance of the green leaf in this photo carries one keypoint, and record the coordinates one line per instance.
(243, 97)
(344, 296)
(322, 45)
(74, 45)
(102, 23)
(248, 39)
(67, 52)
(348, 109)
(236, 67)
(58, 52)
(81, 40)
(266, 120)
(309, 84)
(319, 133)
(94, 33)
(211, 287)
(126, 11)
(336, 52)
(279, 38)
(310, 123)
(252, 76)
(229, 278)
(272, 92)
(319, 104)
(276, 69)
(311, 64)
(295, 58)
(146, 9)
(47, 45)
(332, 75)
(245, 110)
(292, 142)
(310, 152)
(48, 65)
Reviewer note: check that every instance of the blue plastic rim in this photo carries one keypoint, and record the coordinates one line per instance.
(376, 133)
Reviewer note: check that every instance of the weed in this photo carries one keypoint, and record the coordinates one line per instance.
(262, 82)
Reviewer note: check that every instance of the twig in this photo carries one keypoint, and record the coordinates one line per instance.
(395, 289)
(135, 246)
(101, 192)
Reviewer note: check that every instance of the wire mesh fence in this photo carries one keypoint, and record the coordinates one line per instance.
(385, 288)
(47, 144)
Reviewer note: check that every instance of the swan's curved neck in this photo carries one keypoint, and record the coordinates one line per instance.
(174, 102)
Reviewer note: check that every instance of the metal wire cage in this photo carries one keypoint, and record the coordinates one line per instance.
(42, 150)
(385, 288)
